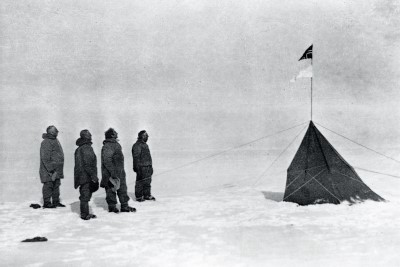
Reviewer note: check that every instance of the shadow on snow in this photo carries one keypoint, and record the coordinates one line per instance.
(274, 196)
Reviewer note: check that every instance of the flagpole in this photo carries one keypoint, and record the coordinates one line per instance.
(311, 91)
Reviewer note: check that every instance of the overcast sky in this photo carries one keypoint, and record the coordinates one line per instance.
(198, 75)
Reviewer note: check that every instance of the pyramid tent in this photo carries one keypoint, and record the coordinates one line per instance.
(318, 174)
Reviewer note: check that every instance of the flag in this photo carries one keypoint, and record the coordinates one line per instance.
(307, 53)
(306, 73)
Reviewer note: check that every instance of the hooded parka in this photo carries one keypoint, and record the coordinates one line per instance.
(85, 163)
(112, 161)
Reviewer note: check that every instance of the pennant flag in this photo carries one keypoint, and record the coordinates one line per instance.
(307, 53)
(306, 73)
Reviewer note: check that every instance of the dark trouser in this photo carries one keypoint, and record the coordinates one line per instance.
(85, 197)
(122, 192)
(143, 188)
(143, 181)
(51, 190)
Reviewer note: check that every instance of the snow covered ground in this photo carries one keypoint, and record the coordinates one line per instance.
(207, 214)
(228, 226)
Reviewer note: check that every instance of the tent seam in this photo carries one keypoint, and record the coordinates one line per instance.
(304, 184)
(326, 189)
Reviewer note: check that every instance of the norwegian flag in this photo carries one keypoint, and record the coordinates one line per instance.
(307, 54)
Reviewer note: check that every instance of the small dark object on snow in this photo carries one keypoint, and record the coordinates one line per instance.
(94, 186)
(35, 239)
(35, 206)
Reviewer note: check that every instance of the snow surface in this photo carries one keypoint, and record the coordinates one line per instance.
(207, 214)
(228, 226)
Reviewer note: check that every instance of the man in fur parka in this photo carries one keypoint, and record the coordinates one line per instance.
(85, 172)
(51, 169)
(113, 173)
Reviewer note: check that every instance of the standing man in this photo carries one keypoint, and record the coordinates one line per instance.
(142, 165)
(85, 172)
(113, 173)
(51, 168)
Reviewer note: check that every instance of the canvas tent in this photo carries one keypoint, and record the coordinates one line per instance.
(318, 174)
